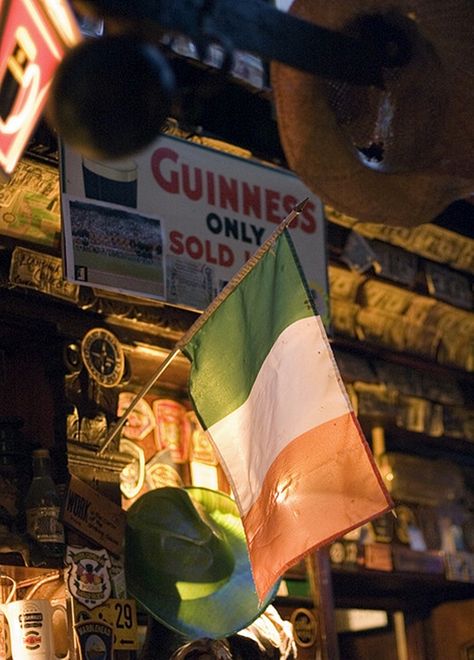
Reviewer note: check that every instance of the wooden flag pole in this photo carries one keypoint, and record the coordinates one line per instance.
(143, 392)
(226, 291)
(239, 276)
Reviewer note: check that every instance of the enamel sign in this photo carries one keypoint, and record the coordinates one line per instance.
(177, 221)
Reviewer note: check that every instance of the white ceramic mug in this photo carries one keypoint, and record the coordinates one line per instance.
(7, 594)
(31, 629)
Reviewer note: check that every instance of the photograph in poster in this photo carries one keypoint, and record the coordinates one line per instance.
(177, 221)
(116, 247)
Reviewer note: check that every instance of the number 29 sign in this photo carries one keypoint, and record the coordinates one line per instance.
(117, 613)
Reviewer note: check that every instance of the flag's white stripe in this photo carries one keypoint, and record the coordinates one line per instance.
(297, 388)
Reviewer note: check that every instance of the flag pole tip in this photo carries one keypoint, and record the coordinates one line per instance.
(300, 206)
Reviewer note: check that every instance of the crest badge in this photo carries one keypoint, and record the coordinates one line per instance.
(89, 579)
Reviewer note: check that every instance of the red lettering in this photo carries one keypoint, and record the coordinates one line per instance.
(226, 256)
(171, 185)
(176, 245)
(308, 222)
(228, 193)
(289, 202)
(272, 206)
(251, 200)
(217, 254)
(211, 195)
(208, 250)
(196, 185)
(192, 193)
(194, 247)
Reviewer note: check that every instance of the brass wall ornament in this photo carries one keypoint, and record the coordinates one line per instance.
(305, 627)
(103, 357)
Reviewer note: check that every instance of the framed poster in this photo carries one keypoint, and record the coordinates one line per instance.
(175, 222)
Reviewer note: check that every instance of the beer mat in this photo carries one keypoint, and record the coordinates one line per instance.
(172, 429)
(141, 421)
(201, 447)
(132, 477)
(159, 475)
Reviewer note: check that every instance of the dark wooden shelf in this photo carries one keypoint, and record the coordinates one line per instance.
(395, 590)
(457, 450)
(389, 590)
(405, 359)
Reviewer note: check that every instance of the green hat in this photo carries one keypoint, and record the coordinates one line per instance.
(186, 562)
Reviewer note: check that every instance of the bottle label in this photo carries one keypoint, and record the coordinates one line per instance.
(43, 524)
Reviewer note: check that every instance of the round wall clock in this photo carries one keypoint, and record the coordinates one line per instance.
(103, 357)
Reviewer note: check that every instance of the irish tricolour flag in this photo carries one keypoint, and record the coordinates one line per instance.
(265, 385)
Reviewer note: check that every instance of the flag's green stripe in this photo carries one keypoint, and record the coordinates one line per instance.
(228, 351)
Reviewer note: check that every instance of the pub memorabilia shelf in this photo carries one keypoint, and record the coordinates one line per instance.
(402, 331)
(420, 393)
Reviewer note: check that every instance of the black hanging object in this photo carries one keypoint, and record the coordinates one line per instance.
(111, 96)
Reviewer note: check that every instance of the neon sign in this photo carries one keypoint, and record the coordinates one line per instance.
(35, 34)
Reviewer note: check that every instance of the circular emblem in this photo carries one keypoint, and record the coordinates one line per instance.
(103, 357)
(304, 626)
(159, 475)
(337, 552)
(132, 477)
(141, 421)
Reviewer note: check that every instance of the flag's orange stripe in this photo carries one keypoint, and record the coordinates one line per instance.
(319, 487)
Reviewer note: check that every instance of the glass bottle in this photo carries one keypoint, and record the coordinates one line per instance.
(42, 506)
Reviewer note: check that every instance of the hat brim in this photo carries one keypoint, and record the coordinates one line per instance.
(319, 153)
(230, 608)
